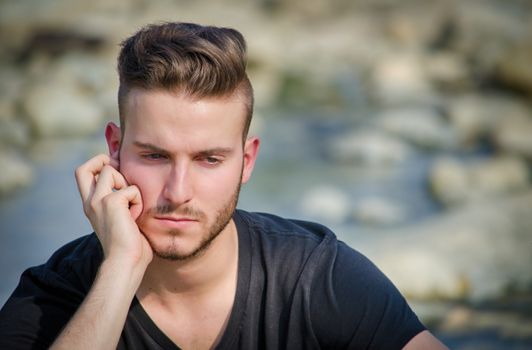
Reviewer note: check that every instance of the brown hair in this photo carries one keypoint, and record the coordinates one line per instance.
(198, 61)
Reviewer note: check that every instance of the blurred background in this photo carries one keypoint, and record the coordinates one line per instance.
(405, 126)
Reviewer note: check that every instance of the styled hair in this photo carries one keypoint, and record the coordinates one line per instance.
(197, 61)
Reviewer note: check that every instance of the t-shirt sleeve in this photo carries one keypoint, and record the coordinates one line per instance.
(355, 306)
(47, 296)
(37, 310)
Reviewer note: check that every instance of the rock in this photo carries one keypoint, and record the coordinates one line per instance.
(14, 132)
(16, 173)
(500, 175)
(399, 78)
(417, 26)
(378, 211)
(514, 135)
(421, 126)
(478, 116)
(449, 181)
(514, 69)
(60, 111)
(266, 86)
(471, 117)
(11, 85)
(301, 90)
(369, 147)
(63, 100)
(485, 32)
(458, 317)
(13, 129)
(506, 324)
(472, 253)
(7, 108)
(454, 182)
(448, 71)
(326, 203)
(513, 325)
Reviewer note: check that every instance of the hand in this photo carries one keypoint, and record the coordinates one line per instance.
(112, 207)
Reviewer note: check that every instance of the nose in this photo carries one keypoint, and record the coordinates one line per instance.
(178, 185)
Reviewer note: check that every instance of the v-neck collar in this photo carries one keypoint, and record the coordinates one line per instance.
(237, 315)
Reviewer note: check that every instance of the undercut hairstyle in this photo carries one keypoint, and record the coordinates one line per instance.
(194, 60)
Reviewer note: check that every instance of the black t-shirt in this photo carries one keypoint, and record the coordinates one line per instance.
(298, 288)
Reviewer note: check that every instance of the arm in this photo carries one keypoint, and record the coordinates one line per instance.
(112, 208)
(98, 322)
(425, 340)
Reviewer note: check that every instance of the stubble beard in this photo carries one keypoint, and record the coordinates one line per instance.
(223, 217)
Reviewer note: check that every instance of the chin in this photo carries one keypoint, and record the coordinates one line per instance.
(168, 246)
(177, 246)
(175, 251)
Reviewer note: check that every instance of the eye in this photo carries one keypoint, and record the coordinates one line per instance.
(212, 160)
(153, 156)
(209, 161)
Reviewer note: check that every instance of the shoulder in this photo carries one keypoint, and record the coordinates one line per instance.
(47, 295)
(355, 302)
(76, 263)
(348, 301)
(282, 253)
(273, 226)
(287, 243)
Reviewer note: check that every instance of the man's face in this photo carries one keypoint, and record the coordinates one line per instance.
(186, 157)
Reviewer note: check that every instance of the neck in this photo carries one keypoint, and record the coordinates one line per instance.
(201, 274)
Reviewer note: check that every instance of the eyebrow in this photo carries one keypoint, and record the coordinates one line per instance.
(148, 146)
(207, 152)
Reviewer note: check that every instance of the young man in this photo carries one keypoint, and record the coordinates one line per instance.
(172, 263)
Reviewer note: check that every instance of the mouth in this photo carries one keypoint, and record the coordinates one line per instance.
(175, 222)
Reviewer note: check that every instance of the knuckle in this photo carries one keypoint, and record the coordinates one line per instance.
(92, 205)
(78, 171)
(109, 200)
(107, 171)
(88, 210)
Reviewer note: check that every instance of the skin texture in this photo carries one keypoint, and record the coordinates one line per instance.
(425, 340)
(189, 177)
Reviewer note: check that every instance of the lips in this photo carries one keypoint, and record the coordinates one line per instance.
(175, 222)
(173, 218)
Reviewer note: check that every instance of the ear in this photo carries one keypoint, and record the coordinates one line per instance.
(251, 150)
(113, 136)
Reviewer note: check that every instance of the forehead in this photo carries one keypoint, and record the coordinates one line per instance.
(138, 98)
(158, 114)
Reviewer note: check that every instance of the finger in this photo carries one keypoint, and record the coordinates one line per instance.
(128, 197)
(135, 201)
(108, 180)
(115, 164)
(86, 174)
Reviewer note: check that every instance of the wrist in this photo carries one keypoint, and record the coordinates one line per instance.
(123, 272)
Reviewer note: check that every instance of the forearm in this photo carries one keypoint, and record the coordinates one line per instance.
(99, 321)
(425, 341)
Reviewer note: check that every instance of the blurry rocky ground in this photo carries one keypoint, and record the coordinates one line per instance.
(404, 125)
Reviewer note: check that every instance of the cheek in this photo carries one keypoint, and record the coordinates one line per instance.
(144, 179)
(223, 184)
